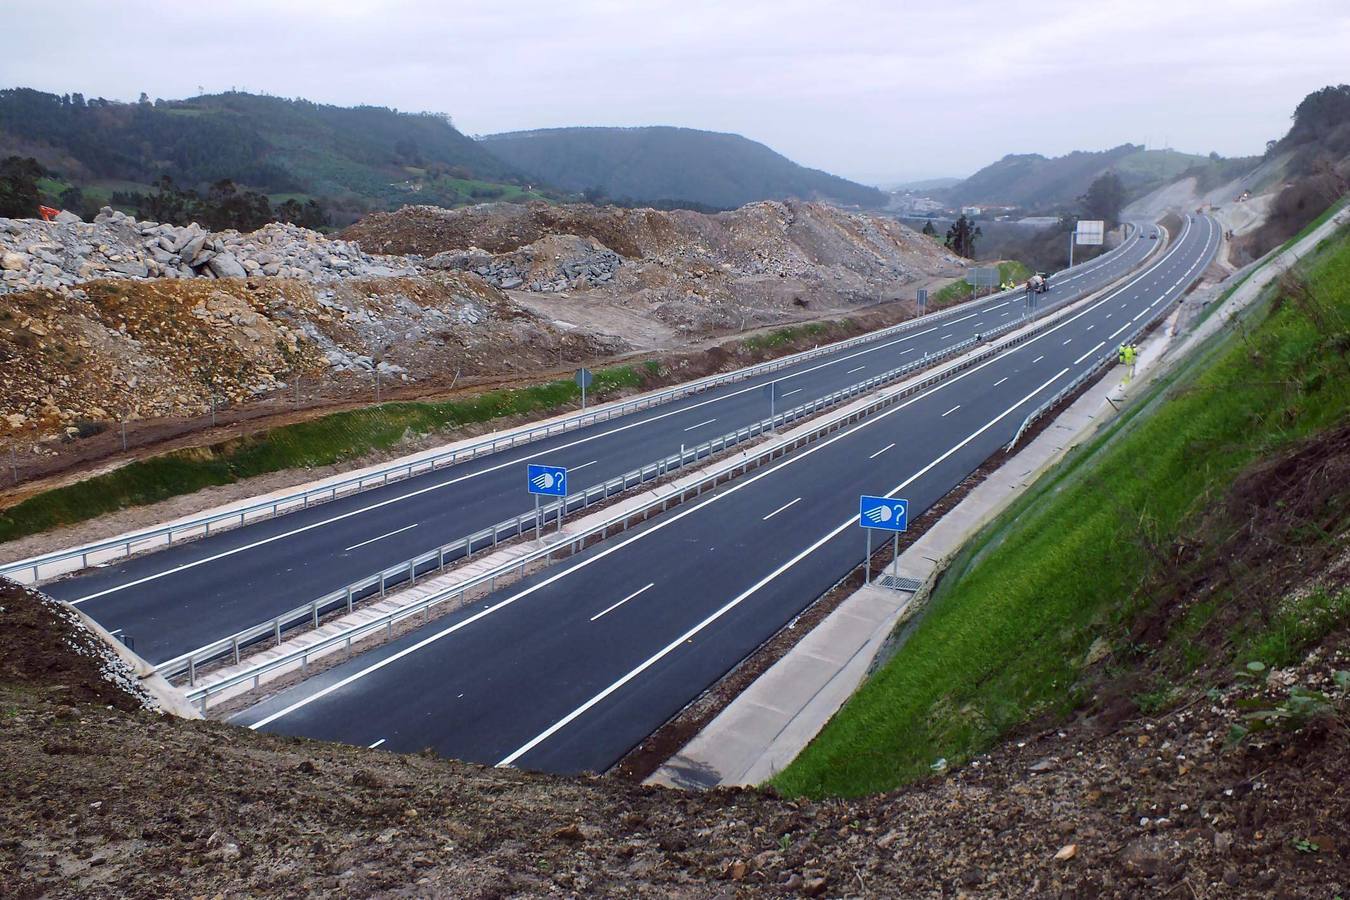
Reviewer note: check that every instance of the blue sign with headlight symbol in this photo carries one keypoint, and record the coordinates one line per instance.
(885, 513)
(548, 480)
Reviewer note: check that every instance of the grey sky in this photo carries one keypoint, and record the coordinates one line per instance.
(870, 90)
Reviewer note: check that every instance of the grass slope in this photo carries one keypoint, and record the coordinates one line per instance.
(318, 442)
(1005, 638)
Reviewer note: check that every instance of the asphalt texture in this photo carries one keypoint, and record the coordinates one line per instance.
(569, 669)
(184, 597)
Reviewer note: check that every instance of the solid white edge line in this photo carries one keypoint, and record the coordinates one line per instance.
(623, 601)
(376, 744)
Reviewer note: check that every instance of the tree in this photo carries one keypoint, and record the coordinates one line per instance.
(961, 237)
(19, 197)
(168, 204)
(1104, 198)
(928, 228)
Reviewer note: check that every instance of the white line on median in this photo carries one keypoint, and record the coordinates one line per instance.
(882, 450)
(701, 424)
(622, 602)
(382, 537)
(952, 410)
(851, 371)
(787, 505)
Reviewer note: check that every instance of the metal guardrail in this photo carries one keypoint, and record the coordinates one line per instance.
(201, 527)
(575, 542)
(436, 560)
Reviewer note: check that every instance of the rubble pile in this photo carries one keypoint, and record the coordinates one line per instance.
(66, 252)
(696, 273)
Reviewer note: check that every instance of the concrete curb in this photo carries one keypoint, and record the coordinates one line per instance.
(169, 699)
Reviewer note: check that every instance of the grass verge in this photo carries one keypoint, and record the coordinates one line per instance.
(1008, 635)
(319, 442)
(957, 291)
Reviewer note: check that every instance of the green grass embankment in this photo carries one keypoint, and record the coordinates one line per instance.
(319, 442)
(957, 291)
(1004, 639)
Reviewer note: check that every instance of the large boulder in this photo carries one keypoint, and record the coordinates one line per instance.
(66, 217)
(226, 265)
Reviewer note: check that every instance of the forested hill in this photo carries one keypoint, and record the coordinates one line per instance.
(668, 166)
(1035, 181)
(353, 158)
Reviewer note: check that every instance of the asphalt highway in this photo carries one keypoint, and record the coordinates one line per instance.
(569, 669)
(188, 595)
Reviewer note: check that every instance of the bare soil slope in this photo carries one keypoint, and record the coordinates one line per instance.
(97, 799)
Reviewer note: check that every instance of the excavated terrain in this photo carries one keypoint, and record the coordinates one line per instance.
(111, 321)
(690, 272)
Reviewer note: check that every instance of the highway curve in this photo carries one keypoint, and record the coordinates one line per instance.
(569, 669)
(184, 597)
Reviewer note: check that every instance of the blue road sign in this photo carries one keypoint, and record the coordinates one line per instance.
(549, 480)
(886, 513)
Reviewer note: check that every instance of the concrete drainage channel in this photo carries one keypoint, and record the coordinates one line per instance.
(451, 590)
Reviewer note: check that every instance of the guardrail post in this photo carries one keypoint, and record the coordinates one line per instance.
(276, 630)
(235, 646)
(349, 599)
(192, 670)
(381, 584)
(314, 612)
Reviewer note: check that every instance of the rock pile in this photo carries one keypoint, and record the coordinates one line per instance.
(591, 265)
(61, 254)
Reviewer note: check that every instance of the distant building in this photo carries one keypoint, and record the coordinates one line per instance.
(971, 212)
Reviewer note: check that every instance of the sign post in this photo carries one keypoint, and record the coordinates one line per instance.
(584, 377)
(547, 481)
(771, 391)
(884, 513)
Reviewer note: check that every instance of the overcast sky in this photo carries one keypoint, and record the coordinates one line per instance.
(876, 91)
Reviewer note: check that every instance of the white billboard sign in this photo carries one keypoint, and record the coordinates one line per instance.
(1090, 232)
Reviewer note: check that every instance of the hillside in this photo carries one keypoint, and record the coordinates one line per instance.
(1038, 182)
(670, 166)
(356, 158)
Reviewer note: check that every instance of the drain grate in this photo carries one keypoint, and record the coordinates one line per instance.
(896, 583)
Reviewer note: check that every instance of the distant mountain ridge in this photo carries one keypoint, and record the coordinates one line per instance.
(1035, 181)
(663, 163)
